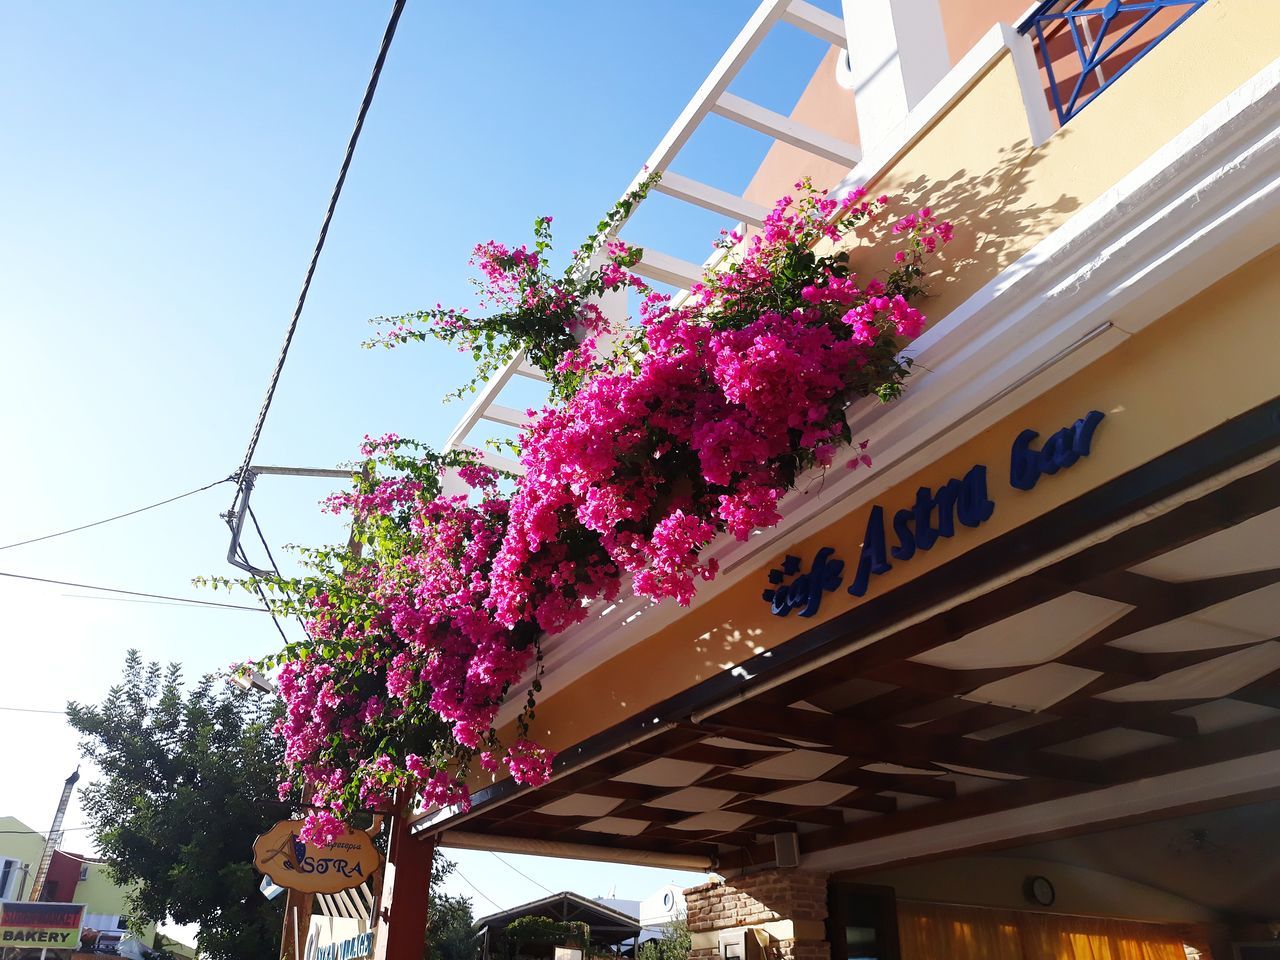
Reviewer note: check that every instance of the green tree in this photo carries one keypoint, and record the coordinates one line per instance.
(674, 944)
(449, 932)
(188, 780)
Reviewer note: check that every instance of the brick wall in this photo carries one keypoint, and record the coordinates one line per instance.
(767, 899)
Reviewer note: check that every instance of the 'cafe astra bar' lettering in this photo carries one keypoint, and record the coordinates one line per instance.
(932, 516)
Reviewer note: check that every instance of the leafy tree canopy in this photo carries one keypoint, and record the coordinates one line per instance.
(674, 944)
(449, 932)
(188, 779)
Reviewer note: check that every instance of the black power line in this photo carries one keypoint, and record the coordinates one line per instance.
(522, 873)
(280, 577)
(118, 516)
(256, 434)
(464, 879)
(132, 593)
(262, 595)
(29, 710)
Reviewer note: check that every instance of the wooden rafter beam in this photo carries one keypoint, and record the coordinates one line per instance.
(821, 816)
(995, 800)
(894, 744)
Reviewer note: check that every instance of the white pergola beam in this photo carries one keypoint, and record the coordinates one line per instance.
(811, 19)
(527, 369)
(484, 399)
(665, 268)
(355, 909)
(712, 94)
(711, 198)
(785, 129)
(510, 416)
(495, 460)
(717, 82)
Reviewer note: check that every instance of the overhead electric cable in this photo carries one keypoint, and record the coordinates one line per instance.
(253, 517)
(118, 516)
(276, 567)
(31, 710)
(152, 603)
(133, 593)
(463, 876)
(522, 873)
(266, 604)
(372, 86)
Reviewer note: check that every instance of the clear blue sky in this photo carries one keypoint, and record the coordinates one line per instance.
(163, 174)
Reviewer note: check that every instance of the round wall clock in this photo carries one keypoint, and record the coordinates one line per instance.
(1039, 891)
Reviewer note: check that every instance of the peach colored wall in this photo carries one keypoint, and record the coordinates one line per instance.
(965, 21)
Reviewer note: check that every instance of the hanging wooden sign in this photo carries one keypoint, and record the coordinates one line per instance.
(347, 862)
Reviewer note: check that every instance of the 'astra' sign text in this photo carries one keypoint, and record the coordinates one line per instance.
(932, 516)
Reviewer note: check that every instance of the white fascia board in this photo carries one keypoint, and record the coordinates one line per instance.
(1195, 210)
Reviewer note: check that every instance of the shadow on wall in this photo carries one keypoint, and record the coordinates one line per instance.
(727, 645)
(996, 216)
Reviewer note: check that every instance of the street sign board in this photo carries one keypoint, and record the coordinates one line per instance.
(290, 863)
(56, 925)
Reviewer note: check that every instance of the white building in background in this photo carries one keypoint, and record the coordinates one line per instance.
(662, 906)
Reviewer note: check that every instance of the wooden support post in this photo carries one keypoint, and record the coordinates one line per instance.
(401, 923)
(297, 925)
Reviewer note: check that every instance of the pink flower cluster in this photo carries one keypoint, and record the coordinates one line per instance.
(698, 426)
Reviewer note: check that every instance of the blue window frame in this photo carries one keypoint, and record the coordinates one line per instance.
(1098, 31)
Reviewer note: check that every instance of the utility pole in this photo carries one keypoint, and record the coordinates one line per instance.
(297, 905)
(54, 838)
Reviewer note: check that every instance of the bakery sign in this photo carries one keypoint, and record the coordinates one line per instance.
(42, 925)
(936, 513)
(282, 855)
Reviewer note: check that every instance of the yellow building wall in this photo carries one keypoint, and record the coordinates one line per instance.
(98, 893)
(19, 842)
(101, 895)
(976, 166)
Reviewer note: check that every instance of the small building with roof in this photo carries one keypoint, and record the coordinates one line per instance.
(576, 927)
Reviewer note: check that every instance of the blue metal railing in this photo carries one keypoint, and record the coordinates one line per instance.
(1096, 35)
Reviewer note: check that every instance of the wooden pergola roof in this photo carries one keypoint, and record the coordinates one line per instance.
(1150, 652)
